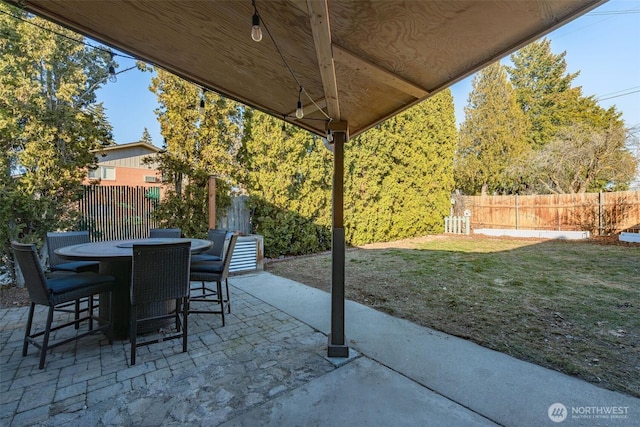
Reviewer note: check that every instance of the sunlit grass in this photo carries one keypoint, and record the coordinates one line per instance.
(570, 306)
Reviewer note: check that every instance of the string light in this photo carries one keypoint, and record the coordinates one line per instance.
(201, 107)
(299, 111)
(329, 136)
(112, 70)
(256, 31)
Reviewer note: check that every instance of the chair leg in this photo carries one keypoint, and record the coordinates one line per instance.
(221, 299)
(27, 332)
(133, 332)
(178, 309)
(77, 313)
(90, 302)
(226, 281)
(185, 326)
(45, 341)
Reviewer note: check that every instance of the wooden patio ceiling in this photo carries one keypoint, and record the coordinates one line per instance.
(359, 62)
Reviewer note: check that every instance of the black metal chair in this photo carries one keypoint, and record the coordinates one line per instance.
(159, 273)
(165, 232)
(216, 253)
(214, 271)
(56, 240)
(54, 292)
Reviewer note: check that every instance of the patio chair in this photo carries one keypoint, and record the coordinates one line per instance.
(54, 292)
(159, 273)
(213, 271)
(56, 240)
(165, 232)
(59, 265)
(216, 253)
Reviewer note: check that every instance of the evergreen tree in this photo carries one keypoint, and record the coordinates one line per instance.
(49, 123)
(288, 177)
(492, 137)
(146, 137)
(577, 145)
(199, 142)
(399, 175)
(543, 89)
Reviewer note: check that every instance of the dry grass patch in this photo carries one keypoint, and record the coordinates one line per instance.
(570, 306)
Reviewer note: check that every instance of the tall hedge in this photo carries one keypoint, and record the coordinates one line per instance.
(398, 179)
(399, 175)
(288, 178)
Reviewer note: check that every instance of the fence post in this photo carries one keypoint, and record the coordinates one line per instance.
(600, 226)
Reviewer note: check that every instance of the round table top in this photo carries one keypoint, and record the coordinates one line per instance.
(122, 248)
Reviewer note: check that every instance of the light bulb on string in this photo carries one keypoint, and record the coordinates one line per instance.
(201, 107)
(112, 70)
(299, 111)
(112, 74)
(329, 136)
(256, 31)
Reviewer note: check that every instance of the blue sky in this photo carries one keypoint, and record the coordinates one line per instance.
(603, 45)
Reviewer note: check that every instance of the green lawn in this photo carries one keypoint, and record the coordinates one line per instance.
(569, 306)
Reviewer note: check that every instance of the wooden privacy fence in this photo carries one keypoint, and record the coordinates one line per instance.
(599, 213)
(121, 212)
(118, 212)
(237, 216)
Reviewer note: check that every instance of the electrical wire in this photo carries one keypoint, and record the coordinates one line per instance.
(30, 22)
(618, 96)
(286, 64)
(615, 12)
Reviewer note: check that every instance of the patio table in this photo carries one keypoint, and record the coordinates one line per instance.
(115, 258)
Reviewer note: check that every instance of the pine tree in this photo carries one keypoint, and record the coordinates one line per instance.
(577, 146)
(49, 123)
(543, 89)
(199, 143)
(146, 137)
(492, 137)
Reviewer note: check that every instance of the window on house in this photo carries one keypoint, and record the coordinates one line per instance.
(107, 173)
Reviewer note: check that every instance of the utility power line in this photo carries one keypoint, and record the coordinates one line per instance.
(630, 91)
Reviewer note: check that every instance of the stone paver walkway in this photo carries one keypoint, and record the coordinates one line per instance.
(260, 354)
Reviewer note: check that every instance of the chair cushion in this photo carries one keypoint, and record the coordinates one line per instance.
(204, 258)
(207, 267)
(72, 282)
(77, 266)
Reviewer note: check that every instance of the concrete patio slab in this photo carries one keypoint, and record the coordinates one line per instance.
(363, 393)
(501, 388)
